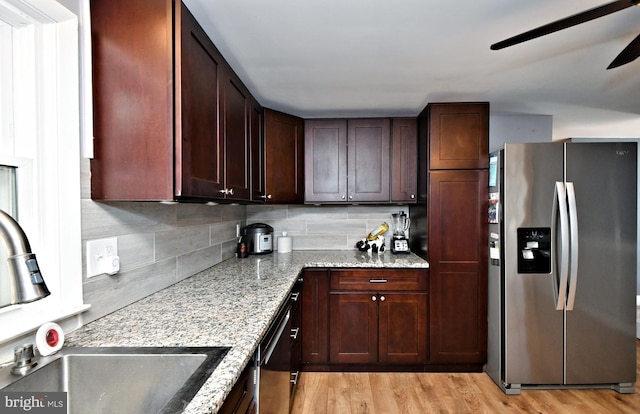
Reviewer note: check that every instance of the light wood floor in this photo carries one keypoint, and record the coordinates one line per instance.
(407, 393)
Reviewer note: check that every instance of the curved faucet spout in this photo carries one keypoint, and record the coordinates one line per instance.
(26, 282)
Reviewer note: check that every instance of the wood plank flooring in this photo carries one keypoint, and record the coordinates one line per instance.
(408, 393)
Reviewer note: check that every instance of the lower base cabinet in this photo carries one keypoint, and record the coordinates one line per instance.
(355, 319)
(241, 399)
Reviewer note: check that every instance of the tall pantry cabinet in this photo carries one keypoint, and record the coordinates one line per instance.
(450, 229)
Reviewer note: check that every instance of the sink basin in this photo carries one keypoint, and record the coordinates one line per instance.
(120, 379)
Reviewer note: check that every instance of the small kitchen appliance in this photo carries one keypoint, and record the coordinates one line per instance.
(400, 225)
(259, 238)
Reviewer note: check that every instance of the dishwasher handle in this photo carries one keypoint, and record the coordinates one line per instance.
(276, 338)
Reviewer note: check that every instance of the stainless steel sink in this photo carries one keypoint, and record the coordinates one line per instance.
(120, 379)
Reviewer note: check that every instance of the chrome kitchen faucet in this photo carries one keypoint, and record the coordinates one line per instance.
(26, 282)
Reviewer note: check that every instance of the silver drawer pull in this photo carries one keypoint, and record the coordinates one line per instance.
(294, 377)
(294, 296)
(377, 280)
(294, 333)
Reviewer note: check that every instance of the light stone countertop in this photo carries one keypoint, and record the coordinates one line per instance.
(230, 304)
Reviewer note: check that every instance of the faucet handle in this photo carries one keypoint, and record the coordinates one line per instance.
(24, 359)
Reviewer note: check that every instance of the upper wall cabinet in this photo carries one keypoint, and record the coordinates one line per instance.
(348, 161)
(284, 158)
(404, 160)
(236, 107)
(458, 135)
(171, 120)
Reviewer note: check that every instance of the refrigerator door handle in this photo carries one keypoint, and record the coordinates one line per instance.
(561, 271)
(573, 263)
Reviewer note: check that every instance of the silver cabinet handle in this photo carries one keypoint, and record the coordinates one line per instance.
(374, 298)
(343, 197)
(231, 191)
(382, 298)
(294, 377)
(412, 196)
(377, 280)
(294, 296)
(266, 196)
(294, 333)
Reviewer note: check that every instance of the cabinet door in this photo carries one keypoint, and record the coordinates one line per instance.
(457, 210)
(325, 164)
(368, 159)
(315, 316)
(284, 158)
(257, 151)
(236, 110)
(404, 160)
(241, 398)
(402, 325)
(199, 164)
(458, 135)
(132, 44)
(353, 328)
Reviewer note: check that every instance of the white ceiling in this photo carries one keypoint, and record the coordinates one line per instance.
(350, 58)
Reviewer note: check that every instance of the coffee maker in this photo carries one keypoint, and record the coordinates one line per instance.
(400, 225)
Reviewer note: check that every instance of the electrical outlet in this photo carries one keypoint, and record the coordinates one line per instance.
(102, 257)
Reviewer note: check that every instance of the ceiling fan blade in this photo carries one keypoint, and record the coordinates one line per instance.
(629, 54)
(570, 21)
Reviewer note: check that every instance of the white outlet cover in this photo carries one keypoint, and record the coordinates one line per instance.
(102, 257)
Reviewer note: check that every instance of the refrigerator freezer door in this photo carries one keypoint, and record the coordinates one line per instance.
(600, 330)
(532, 327)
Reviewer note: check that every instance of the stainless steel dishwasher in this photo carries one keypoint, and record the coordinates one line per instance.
(274, 365)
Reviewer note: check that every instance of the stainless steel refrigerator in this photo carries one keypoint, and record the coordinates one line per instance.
(562, 266)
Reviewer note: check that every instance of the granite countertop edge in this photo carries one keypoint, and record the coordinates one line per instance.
(230, 304)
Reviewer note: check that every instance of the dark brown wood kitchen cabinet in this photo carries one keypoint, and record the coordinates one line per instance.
(241, 399)
(404, 160)
(453, 161)
(284, 158)
(236, 108)
(378, 317)
(458, 135)
(315, 317)
(257, 151)
(167, 107)
(457, 218)
(347, 160)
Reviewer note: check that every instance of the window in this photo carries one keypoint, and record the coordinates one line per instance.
(39, 142)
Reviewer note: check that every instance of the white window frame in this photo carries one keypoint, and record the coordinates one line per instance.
(46, 140)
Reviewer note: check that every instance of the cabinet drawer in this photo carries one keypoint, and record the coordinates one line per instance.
(379, 280)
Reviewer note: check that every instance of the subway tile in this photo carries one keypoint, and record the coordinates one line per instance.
(106, 293)
(197, 261)
(231, 212)
(136, 250)
(101, 220)
(176, 242)
(222, 232)
(375, 212)
(190, 214)
(266, 212)
(318, 212)
(337, 226)
(320, 242)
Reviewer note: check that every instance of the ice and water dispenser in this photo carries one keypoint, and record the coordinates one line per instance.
(534, 250)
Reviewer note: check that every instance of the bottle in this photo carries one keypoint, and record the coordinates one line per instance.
(241, 250)
(378, 231)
